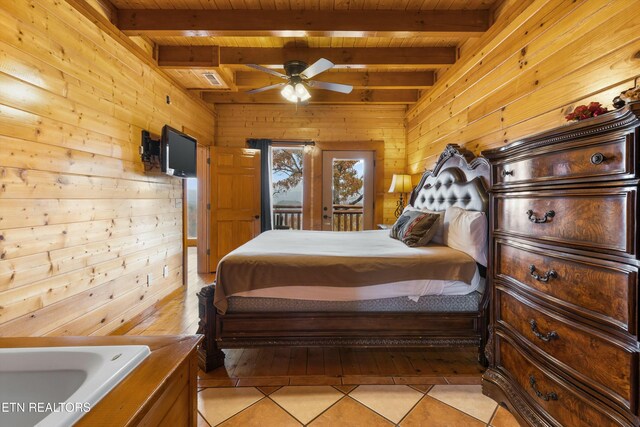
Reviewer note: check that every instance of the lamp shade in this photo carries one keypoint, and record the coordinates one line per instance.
(400, 184)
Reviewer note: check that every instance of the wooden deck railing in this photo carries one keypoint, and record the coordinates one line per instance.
(287, 218)
(345, 218)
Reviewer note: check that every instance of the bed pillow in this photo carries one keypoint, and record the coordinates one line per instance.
(466, 231)
(438, 237)
(396, 230)
(415, 228)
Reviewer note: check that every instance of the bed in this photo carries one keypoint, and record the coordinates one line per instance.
(354, 289)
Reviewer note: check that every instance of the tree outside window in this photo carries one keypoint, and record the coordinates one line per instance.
(287, 184)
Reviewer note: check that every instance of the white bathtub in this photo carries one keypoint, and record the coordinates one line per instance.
(56, 386)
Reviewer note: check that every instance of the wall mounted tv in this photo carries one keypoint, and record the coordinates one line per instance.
(177, 153)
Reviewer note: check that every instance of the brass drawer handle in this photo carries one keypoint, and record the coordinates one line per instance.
(545, 218)
(551, 274)
(598, 158)
(553, 335)
(506, 172)
(546, 397)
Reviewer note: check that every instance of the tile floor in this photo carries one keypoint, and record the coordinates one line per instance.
(442, 405)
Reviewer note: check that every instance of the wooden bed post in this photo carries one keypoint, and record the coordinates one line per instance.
(485, 313)
(484, 337)
(209, 355)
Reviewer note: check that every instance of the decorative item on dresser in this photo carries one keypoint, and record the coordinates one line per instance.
(563, 347)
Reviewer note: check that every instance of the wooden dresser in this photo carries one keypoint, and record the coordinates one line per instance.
(563, 347)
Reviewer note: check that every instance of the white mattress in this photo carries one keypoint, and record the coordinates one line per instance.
(413, 289)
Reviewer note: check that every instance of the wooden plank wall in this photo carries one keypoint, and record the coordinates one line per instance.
(81, 224)
(540, 59)
(329, 123)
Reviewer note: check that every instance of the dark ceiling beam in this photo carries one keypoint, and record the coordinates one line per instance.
(204, 56)
(399, 96)
(303, 23)
(359, 80)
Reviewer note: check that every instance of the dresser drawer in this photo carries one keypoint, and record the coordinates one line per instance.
(558, 399)
(605, 366)
(600, 290)
(576, 218)
(606, 159)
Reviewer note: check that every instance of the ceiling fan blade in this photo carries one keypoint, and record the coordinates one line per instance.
(336, 87)
(320, 66)
(267, 70)
(262, 89)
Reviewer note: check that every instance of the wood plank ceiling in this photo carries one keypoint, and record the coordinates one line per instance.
(389, 50)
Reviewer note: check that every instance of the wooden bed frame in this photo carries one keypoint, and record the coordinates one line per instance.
(363, 329)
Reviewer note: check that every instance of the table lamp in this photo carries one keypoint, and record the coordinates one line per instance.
(400, 183)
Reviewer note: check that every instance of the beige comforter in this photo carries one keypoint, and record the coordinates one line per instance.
(326, 258)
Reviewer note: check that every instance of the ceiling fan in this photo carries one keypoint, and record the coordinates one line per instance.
(297, 77)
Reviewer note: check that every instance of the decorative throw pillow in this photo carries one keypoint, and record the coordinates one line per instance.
(438, 237)
(415, 228)
(466, 231)
(394, 232)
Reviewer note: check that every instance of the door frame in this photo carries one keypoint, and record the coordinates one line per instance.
(203, 174)
(186, 242)
(204, 209)
(190, 242)
(312, 219)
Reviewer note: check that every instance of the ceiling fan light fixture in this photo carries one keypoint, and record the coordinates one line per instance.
(306, 97)
(302, 92)
(289, 93)
(298, 75)
(295, 94)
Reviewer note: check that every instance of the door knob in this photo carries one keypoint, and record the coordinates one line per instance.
(257, 217)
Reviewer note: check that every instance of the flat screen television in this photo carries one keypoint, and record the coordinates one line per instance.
(177, 153)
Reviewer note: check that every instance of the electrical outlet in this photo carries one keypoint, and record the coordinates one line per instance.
(165, 271)
(148, 279)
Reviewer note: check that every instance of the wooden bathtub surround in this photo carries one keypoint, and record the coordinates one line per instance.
(564, 341)
(161, 391)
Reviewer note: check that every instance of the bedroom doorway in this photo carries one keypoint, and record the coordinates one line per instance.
(347, 190)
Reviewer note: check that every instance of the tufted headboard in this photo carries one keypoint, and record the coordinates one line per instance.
(458, 179)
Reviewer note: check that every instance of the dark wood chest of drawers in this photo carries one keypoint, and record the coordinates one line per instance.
(563, 347)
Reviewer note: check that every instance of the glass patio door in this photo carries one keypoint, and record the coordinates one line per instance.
(287, 184)
(347, 190)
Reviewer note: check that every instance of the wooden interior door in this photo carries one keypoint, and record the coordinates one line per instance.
(235, 196)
